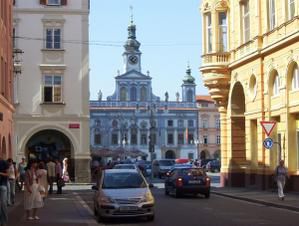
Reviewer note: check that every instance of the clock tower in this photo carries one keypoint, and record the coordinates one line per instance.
(132, 54)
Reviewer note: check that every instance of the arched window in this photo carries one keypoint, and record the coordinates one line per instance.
(295, 78)
(133, 94)
(143, 94)
(275, 88)
(123, 94)
(190, 96)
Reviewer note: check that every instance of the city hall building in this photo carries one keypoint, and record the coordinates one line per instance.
(250, 65)
(52, 90)
(133, 121)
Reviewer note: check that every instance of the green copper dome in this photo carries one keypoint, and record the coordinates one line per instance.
(188, 79)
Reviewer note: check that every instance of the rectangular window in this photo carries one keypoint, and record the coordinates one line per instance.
(271, 14)
(52, 89)
(53, 38)
(114, 139)
(291, 9)
(170, 138)
(205, 124)
(245, 21)
(276, 86)
(217, 123)
(190, 123)
(133, 138)
(143, 139)
(209, 32)
(205, 139)
(190, 138)
(170, 123)
(181, 138)
(97, 139)
(295, 79)
(53, 2)
(222, 32)
(218, 139)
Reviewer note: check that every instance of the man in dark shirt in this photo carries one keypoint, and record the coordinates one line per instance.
(3, 191)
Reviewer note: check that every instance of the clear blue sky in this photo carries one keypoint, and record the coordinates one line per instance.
(170, 35)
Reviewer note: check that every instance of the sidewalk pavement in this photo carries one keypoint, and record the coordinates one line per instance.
(263, 197)
(67, 209)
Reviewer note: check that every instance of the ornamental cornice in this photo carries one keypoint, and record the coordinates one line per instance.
(60, 11)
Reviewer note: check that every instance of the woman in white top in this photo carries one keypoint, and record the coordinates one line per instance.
(11, 188)
(281, 174)
(42, 176)
(32, 196)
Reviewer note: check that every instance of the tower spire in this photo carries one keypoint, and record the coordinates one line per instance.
(131, 17)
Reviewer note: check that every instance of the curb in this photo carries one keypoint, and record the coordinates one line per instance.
(296, 209)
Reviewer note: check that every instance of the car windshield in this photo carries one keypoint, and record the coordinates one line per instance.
(166, 163)
(193, 172)
(123, 180)
(124, 166)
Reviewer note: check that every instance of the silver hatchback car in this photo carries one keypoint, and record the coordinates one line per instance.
(123, 193)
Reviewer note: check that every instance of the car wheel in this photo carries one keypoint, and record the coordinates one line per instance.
(207, 195)
(177, 194)
(95, 212)
(166, 192)
(151, 217)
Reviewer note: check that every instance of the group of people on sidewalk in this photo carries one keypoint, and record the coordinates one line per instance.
(36, 177)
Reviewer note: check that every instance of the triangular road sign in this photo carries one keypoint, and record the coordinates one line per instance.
(268, 126)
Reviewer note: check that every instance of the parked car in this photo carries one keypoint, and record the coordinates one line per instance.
(161, 167)
(125, 166)
(123, 193)
(145, 167)
(185, 179)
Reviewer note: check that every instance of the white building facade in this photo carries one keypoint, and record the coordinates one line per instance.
(133, 122)
(52, 92)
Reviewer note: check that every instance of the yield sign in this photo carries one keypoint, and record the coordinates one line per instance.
(268, 126)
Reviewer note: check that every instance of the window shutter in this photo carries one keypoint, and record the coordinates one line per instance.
(63, 2)
(43, 2)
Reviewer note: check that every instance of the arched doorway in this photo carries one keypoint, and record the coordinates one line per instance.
(238, 140)
(203, 155)
(51, 144)
(170, 154)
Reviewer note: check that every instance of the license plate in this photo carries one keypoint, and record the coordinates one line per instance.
(194, 182)
(128, 208)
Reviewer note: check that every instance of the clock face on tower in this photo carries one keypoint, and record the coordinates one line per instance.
(133, 59)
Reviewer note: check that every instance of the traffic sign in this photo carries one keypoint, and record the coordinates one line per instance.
(268, 143)
(268, 126)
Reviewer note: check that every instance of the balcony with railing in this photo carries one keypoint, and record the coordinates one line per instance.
(219, 59)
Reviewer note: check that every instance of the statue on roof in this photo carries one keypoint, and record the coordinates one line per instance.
(166, 96)
(100, 95)
(177, 95)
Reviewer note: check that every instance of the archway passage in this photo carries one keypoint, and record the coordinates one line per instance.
(238, 140)
(170, 154)
(51, 144)
(203, 155)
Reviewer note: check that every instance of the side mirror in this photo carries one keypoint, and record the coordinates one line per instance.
(151, 185)
(95, 188)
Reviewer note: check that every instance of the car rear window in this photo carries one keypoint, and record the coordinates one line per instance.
(166, 162)
(123, 180)
(193, 172)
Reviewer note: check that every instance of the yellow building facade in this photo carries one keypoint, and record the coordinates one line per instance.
(250, 65)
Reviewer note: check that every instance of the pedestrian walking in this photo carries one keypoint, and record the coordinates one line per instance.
(65, 174)
(59, 180)
(3, 191)
(21, 173)
(281, 174)
(11, 187)
(51, 174)
(32, 197)
(42, 176)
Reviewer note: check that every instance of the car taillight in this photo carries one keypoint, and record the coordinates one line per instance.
(208, 181)
(179, 182)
